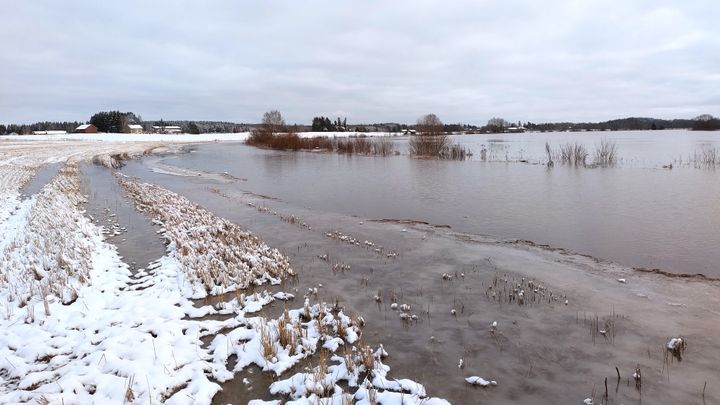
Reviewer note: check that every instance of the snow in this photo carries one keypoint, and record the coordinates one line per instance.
(104, 137)
(475, 380)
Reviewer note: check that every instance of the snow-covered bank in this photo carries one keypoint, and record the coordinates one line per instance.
(216, 255)
(104, 137)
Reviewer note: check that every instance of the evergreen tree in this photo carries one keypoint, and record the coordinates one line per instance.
(192, 128)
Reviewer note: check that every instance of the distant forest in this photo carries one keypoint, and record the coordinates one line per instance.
(115, 121)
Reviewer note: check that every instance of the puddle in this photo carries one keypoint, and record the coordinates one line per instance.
(43, 175)
(134, 235)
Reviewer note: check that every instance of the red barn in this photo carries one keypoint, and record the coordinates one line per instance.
(86, 129)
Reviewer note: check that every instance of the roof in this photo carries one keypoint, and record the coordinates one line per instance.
(84, 126)
(135, 126)
(167, 127)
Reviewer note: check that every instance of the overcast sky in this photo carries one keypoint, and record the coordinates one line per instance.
(372, 61)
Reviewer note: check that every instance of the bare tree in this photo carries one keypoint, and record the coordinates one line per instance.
(272, 123)
(430, 140)
(497, 125)
(430, 125)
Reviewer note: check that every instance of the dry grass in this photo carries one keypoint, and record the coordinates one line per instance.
(605, 153)
(549, 153)
(287, 333)
(573, 153)
(383, 147)
(429, 145)
(52, 254)
(129, 394)
(706, 158)
(454, 152)
(212, 251)
(368, 358)
(268, 342)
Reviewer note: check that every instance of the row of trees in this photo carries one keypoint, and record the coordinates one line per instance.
(25, 129)
(116, 121)
(706, 122)
(322, 124)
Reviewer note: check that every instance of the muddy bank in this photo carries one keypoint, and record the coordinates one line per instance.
(546, 349)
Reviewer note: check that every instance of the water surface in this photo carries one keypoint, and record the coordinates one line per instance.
(635, 213)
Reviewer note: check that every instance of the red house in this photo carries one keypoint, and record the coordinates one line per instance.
(86, 129)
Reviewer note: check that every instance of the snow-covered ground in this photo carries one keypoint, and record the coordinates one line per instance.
(183, 138)
(76, 326)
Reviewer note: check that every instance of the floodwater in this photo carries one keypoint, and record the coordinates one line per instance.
(636, 213)
(544, 351)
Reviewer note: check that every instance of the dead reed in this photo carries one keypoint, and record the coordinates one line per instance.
(605, 153)
(573, 153)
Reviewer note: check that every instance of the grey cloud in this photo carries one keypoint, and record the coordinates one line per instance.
(374, 61)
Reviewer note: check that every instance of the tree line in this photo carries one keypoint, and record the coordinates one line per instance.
(116, 121)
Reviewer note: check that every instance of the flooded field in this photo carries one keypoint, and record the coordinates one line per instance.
(635, 213)
(446, 303)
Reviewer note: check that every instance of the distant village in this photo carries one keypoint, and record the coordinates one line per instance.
(133, 129)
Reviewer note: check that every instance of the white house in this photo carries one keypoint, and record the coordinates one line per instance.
(169, 129)
(135, 129)
(50, 132)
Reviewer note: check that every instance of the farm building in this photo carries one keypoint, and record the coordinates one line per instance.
(169, 129)
(135, 129)
(86, 129)
(49, 132)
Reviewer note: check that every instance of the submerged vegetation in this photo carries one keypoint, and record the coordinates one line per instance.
(605, 153)
(573, 153)
(707, 157)
(576, 154)
(432, 142)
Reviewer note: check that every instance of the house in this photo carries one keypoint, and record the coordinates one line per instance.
(50, 132)
(86, 129)
(515, 130)
(168, 129)
(135, 129)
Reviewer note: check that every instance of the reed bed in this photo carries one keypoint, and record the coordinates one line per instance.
(51, 252)
(605, 153)
(213, 252)
(454, 152)
(573, 153)
(706, 157)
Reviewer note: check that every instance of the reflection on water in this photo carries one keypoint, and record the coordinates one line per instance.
(636, 213)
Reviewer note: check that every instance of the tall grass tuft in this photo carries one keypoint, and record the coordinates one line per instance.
(383, 147)
(573, 153)
(549, 153)
(454, 152)
(707, 157)
(605, 153)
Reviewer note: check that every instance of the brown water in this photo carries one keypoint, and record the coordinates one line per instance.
(542, 352)
(635, 213)
(137, 239)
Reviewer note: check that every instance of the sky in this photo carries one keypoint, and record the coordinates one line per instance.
(369, 61)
